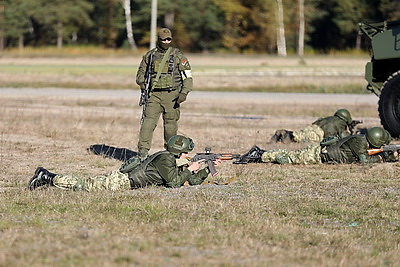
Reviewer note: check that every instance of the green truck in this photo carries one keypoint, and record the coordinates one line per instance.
(383, 71)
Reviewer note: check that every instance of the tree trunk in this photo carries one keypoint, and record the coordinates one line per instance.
(59, 34)
(128, 20)
(21, 42)
(281, 31)
(153, 25)
(358, 42)
(1, 27)
(300, 48)
(169, 20)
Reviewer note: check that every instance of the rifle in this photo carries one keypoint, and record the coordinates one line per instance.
(145, 94)
(210, 157)
(387, 148)
(353, 124)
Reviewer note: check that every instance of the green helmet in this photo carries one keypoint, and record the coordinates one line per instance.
(178, 144)
(388, 138)
(377, 137)
(344, 114)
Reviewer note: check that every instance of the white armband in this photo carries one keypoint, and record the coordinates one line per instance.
(186, 74)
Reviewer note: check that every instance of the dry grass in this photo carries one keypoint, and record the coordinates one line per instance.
(321, 74)
(323, 215)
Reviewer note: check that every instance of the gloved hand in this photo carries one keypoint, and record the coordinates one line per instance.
(389, 156)
(142, 87)
(181, 98)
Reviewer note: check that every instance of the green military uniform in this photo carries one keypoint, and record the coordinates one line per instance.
(333, 126)
(158, 169)
(174, 83)
(322, 128)
(350, 149)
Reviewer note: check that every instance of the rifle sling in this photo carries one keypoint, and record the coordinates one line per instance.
(162, 64)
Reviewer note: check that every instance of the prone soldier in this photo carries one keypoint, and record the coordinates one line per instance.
(160, 169)
(339, 125)
(350, 149)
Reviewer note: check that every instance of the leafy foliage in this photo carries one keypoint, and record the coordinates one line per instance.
(198, 25)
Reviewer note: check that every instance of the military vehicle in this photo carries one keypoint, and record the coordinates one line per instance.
(383, 71)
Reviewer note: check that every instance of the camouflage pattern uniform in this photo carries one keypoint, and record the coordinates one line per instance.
(322, 128)
(353, 148)
(174, 84)
(116, 180)
(158, 169)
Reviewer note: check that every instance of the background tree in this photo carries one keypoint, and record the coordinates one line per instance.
(63, 17)
(17, 19)
(128, 18)
(390, 9)
(281, 40)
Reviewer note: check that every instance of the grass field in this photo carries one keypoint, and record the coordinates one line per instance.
(269, 215)
(262, 73)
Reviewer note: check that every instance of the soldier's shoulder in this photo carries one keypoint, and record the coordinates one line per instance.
(151, 51)
(178, 52)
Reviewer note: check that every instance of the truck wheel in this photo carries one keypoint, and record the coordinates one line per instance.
(389, 105)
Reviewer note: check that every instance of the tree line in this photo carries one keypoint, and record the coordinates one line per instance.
(239, 26)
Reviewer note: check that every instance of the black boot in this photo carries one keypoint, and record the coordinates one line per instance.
(254, 155)
(40, 178)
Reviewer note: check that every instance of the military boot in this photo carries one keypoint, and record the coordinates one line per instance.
(253, 155)
(40, 178)
(288, 137)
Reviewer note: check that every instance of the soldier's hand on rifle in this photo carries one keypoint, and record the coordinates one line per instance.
(217, 162)
(390, 156)
(195, 165)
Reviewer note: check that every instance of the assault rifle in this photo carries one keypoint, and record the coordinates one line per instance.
(387, 148)
(210, 157)
(145, 94)
(353, 124)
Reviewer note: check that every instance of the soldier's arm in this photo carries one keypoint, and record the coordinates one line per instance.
(199, 177)
(141, 73)
(363, 157)
(170, 173)
(185, 71)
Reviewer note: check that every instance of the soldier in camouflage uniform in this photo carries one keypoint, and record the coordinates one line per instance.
(166, 93)
(336, 125)
(350, 149)
(159, 169)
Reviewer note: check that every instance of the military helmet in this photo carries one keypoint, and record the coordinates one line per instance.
(377, 137)
(388, 138)
(344, 114)
(178, 144)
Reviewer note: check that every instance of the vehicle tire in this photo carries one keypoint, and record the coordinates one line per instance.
(389, 105)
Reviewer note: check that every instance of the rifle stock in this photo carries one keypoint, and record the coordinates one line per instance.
(387, 148)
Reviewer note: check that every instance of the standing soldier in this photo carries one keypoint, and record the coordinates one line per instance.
(165, 79)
